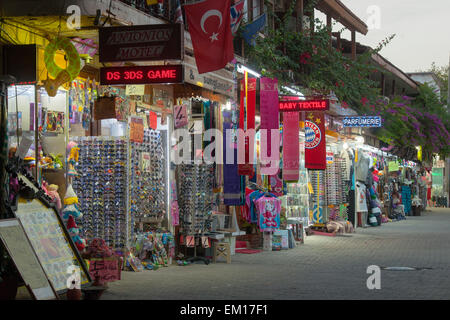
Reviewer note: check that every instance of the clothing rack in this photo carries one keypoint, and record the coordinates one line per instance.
(254, 186)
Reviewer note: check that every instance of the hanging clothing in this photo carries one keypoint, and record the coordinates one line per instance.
(269, 209)
(406, 198)
(362, 167)
(361, 204)
(347, 162)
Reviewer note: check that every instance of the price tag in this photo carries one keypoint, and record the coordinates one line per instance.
(180, 116)
(135, 90)
(196, 126)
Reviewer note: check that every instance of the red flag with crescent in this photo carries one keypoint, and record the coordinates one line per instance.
(209, 26)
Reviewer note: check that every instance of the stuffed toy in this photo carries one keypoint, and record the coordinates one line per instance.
(73, 151)
(70, 205)
(57, 163)
(74, 233)
(52, 191)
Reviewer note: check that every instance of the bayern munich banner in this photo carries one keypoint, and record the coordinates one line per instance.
(315, 144)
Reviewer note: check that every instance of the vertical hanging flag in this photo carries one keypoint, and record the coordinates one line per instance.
(210, 30)
(247, 122)
(291, 147)
(237, 12)
(269, 120)
(231, 177)
(178, 13)
(315, 144)
(252, 29)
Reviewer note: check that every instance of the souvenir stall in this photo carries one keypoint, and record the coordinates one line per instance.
(204, 222)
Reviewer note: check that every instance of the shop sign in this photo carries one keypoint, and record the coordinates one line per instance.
(363, 121)
(393, 166)
(141, 43)
(106, 270)
(291, 103)
(141, 75)
(220, 81)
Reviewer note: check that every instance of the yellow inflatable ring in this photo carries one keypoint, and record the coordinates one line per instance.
(73, 69)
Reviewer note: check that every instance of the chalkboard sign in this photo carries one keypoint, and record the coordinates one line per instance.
(20, 250)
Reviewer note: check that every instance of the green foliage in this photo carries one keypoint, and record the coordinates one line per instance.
(309, 63)
(442, 74)
(410, 122)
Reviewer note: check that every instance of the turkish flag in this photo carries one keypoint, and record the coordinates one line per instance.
(209, 26)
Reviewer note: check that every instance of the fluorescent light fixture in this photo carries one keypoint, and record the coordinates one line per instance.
(359, 139)
(297, 93)
(242, 69)
(227, 106)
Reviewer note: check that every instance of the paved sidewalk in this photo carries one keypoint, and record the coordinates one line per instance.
(322, 268)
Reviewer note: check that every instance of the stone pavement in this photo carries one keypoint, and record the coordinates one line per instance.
(322, 268)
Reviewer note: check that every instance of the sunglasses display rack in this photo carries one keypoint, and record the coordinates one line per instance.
(195, 197)
(101, 187)
(147, 172)
(335, 182)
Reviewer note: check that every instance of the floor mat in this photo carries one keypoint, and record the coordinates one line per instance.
(248, 251)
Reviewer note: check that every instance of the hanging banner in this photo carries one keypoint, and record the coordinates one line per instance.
(291, 148)
(231, 177)
(246, 122)
(269, 119)
(315, 144)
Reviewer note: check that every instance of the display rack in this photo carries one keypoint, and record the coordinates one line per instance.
(101, 187)
(147, 171)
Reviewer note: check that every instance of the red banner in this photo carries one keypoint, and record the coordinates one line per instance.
(269, 120)
(291, 148)
(315, 143)
(247, 116)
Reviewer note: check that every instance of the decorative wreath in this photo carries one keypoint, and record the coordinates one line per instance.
(73, 69)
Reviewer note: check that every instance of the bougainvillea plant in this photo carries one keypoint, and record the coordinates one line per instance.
(411, 122)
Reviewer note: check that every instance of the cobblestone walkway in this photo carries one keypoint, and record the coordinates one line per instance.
(322, 268)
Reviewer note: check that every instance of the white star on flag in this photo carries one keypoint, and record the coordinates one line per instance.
(214, 36)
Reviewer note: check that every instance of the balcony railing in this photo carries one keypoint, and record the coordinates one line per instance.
(164, 9)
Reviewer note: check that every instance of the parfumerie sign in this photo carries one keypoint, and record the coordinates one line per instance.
(290, 103)
(141, 43)
(363, 121)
